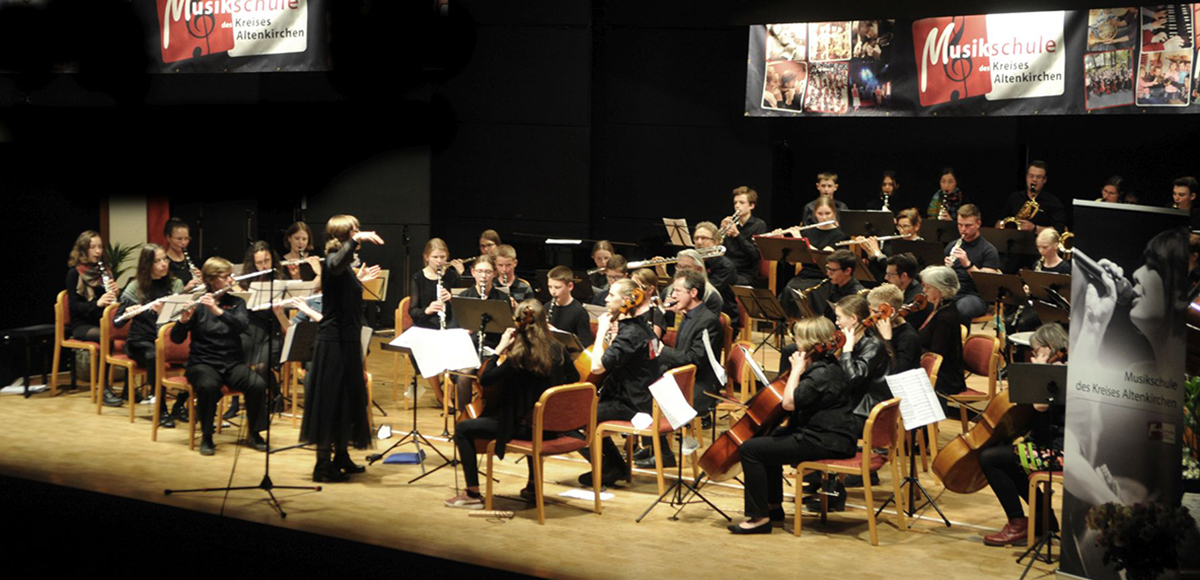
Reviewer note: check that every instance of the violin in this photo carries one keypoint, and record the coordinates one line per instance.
(480, 394)
(764, 411)
(957, 464)
(886, 312)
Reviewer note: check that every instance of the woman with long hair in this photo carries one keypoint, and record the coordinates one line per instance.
(298, 240)
(948, 198)
(152, 280)
(87, 295)
(335, 410)
(532, 363)
(263, 341)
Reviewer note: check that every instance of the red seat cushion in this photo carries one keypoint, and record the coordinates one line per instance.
(971, 393)
(556, 446)
(118, 345)
(877, 461)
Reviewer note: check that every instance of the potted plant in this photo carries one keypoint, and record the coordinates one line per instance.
(1191, 430)
(116, 255)
(1142, 539)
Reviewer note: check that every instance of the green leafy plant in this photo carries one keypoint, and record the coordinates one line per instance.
(115, 256)
(1142, 539)
(1191, 422)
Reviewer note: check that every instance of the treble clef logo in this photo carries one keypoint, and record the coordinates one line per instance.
(202, 26)
(958, 68)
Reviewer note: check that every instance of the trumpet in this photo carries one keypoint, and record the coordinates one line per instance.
(732, 220)
(800, 228)
(1030, 209)
(863, 241)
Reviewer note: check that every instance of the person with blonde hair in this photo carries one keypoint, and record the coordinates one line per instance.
(335, 394)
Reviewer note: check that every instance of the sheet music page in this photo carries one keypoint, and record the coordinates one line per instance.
(287, 344)
(171, 306)
(367, 331)
(919, 404)
(712, 360)
(671, 402)
(439, 350)
(677, 230)
(754, 368)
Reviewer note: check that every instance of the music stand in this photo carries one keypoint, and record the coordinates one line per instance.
(1039, 384)
(866, 222)
(1049, 313)
(926, 253)
(1000, 289)
(940, 231)
(919, 407)
(1009, 241)
(298, 346)
(569, 341)
(761, 303)
(1048, 286)
(781, 249)
(678, 232)
(483, 315)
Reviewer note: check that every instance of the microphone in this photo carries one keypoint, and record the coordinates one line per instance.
(1093, 271)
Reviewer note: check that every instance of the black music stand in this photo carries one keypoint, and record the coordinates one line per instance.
(939, 231)
(866, 222)
(298, 347)
(1000, 289)
(926, 253)
(761, 303)
(1011, 244)
(1050, 313)
(787, 250)
(913, 396)
(1048, 286)
(483, 315)
(414, 435)
(1039, 384)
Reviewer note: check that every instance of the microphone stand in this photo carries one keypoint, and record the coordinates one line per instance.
(265, 484)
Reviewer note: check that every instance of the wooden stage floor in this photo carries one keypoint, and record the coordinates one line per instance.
(62, 441)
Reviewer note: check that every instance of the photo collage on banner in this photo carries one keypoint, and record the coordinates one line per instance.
(828, 67)
(1108, 66)
(1124, 414)
(1164, 74)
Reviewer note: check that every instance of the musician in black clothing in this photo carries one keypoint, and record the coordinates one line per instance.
(215, 356)
(827, 185)
(866, 358)
(628, 361)
(601, 252)
(971, 253)
(426, 301)
(484, 272)
(1051, 211)
(617, 268)
(506, 274)
(820, 425)
(178, 237)
(902, 273)
(298, 239)
(819, 238)
(709, 295)
(739, 237)
(535, 363)
(888, 188)
(87, 295)
(263, 340)
(689, 348)
(153, 280)
(941, 331)
(564, 311)
(895, 330)
(721, 271)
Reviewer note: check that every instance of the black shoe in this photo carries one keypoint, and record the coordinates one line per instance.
(207, 447)
(165, 421)
(706, 423)
(257, 442)
(342, 461)
(643, 452)
(777, 514)
(607, 478)
(277, 405)
(181, 413)
(648, 463)
(812, 480)
(856, 480)
(112, 400)
(234, 407)
(760, 529)
(327, 473)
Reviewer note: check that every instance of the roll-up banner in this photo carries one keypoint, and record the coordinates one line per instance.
(1128, 345)
(1107, 60)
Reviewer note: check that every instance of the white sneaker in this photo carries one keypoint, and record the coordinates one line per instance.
(464, 501)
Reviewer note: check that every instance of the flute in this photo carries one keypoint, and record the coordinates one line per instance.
(801, 228)
(299, 261)
(704, 253)
(863, 241)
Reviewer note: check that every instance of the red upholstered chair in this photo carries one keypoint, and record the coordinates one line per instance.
(170, 360)
(686, 377)
(1048, 479)
(559, 410)
(880, 432)
(981, 356)
(112, 352)
(932, 363)
(62, 317)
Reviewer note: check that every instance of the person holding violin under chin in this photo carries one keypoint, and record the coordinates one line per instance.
(820, 425)
(532, 363)
(1007, 466)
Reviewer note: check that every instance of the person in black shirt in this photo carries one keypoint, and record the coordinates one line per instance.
(972, 254)
(689, 348)
(709, 295)
(629, 366)
(947, 199)
(875, 253)
(484, 272)
(888, 188)
(902, 273)
(866, 358)
(534, 363)
(1051, 211)
(506, 274)
(565, 312)
(215, 356)
(298, 240)
(153, 280)
(335, 394)
(827, 185)
(895, 330)
(721, 271)
(427, 300)
(616, 269)
(263, 340)
(739, 236)
(821, 238)
(1183, 194)
(601, 252)
(941, 332)
(820, 426)
(87, 295)
(178, 237)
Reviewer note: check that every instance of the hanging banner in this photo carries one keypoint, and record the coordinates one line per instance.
(1125, 408)
(210, 36)
(1135, 59)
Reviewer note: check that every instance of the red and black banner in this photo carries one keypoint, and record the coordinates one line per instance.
(1111, 60)
(208, 36)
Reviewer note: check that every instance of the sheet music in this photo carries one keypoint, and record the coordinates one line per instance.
(712, 360)
(563, 241)
(754, 368)
(678, 232)
(919, 405)
(367, 331)
(594, 311)
(261, 296)
(671, 402)
(172, 305)
(439, 350)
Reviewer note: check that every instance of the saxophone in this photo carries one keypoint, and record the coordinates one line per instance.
(1030, 209)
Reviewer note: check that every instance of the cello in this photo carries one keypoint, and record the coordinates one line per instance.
(764, 411)
(480, 394)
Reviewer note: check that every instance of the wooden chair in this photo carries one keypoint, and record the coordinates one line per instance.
(726, 343)
(62, 317)
(559, 410)
(932, 363)
(981, 356)
(1036, 479)
(112, 352)
(403, 322)
(686, 377)
(167, 355)
(880, 432)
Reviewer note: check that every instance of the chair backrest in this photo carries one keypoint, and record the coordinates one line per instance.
(62, 317)
(109, 332)
(167, 352)
(736, 368)
(882, 425)
(566, 408)
(669, 337)
(726, 335)
(403, 320)
(981, 355)
(686, 377)
(932, 363)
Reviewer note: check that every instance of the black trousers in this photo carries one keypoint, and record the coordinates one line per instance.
(143, 354)
(763, 459)
(1008, 479)
(206, 380)
(88, 332)
(466, 433)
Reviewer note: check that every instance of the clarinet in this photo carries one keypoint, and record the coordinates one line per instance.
(442, 312)
(105, 280)
(550, 310)
(191, 267)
